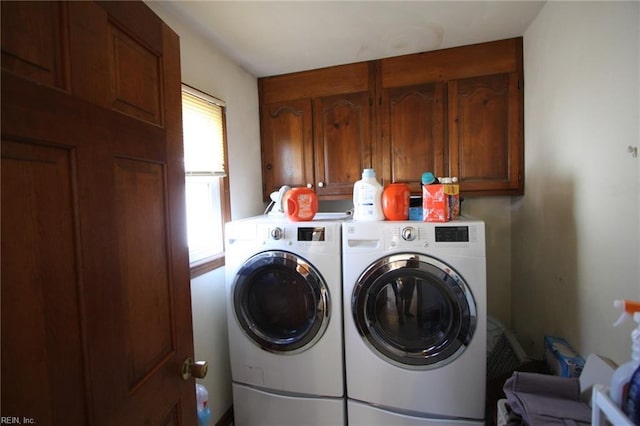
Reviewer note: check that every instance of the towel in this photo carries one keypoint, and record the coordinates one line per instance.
(541, 399)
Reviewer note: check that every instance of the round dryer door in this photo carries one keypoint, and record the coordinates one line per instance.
(414, 311)
(281, 302)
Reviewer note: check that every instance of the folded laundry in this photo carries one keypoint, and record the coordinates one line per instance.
(540, 399)
(544, 384)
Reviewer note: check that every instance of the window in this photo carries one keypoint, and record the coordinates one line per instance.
(207, 184)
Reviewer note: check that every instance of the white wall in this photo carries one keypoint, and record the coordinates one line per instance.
(496, 213)
(206, 69)
(575, 232)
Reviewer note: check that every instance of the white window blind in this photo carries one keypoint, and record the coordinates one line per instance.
(203, 134)
(204, 143)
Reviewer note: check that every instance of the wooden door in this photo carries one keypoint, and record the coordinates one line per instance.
(96, 316)
(412, 133)
(485, 134)
(287, 145)
(342, 142)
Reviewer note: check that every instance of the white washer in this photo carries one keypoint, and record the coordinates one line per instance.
(415, 322)
(284, 298)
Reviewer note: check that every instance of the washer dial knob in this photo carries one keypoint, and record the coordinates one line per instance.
(276, 233)
(408, 233)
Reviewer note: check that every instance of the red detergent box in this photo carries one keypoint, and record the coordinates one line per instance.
(453, 191)
(440, 202)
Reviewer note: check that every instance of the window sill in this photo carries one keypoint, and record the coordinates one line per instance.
(207, 264)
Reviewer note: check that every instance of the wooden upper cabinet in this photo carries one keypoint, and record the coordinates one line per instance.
(451, 64)
(342, 142)
(412, 138)
(465, 118)
(485, 133)
(287, 145)
(316, 129)
(454, 112)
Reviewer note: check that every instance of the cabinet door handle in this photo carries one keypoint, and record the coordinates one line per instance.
(309, 185)
(269, 166)
(320, 184)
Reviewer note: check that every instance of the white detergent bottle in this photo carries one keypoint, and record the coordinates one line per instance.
(622, 375)
(367, 198)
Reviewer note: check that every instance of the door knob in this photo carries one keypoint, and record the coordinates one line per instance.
(197, 369)
(320, 184)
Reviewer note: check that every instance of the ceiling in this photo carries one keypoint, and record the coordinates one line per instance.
(273, 37)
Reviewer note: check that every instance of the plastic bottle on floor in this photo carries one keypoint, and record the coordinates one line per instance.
(202, 398)
(622, 376)
(631, 404)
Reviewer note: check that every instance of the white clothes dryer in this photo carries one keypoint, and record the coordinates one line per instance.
(284, 299)
(415, 322)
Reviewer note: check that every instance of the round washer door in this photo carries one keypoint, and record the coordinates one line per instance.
(414, 311)
(281, 302)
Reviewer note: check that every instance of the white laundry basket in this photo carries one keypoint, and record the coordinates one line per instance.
(597, 372)
(504, 352)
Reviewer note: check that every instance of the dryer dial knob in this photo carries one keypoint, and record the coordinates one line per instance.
(276, 233)
(408, 233)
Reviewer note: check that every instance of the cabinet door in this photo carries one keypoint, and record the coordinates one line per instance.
(342, 142)
(412, 133)
(485, 134)
(287, 152)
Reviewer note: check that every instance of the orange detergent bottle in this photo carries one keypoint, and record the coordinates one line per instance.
(300, 204)
(395, 201)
